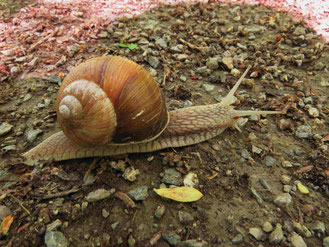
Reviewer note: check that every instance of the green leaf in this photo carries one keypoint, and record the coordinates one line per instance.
(131, 46)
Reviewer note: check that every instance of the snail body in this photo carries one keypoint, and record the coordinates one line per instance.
(155, 128)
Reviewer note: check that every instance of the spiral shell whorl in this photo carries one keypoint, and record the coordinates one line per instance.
(86, 114)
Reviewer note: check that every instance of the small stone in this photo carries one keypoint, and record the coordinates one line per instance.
(9, 148)
(304, 131)
(154, 62)
(131, 241)
(313, 112)
(228, 62)
(72, 50)
(115, 225)
(103, 34)
(256, 150)
(161, 42)
(245, 154)
(301, 229)
(176, 49)
(185, 218)
(32, 134)
(54, 225)
(27, 97)
(33, 62)
(326, 242)
(277, 235)
(284, 124)
(172, 176)
(14, 70)
(201, 70)
(139, 194)
(4, 212)
(159, 212)
(5, 128)
(208, 87)
(130, 174)
(324, 83)
(285, 179)
(212, 63)
(61, 61)
(193, 243)
(287, 188)
(181, 57)
(318, 227)
(105, 213)
(286, 164)
(257, 233)
(191, 180)
(302, 189)
(299, 31)
(235, 72)
(172, 238)
(283, 200)
(297, 241)
(238, 239)
(270, 161)
(267, 227)
(55, 239)
(98, 195)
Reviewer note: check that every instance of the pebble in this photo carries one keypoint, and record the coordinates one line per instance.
(105, 213)
(191, 180)
(184, 217)
(99, 194)
(212, 63)
(324, 83)
(208, 87)
(287, 188)
(193, 243)
(161, 42)
(72, 50)
(4, 212)
(277, 235)
(55, 225)
(9, 148)
(14, 70)
(201, 70)
(228, 62)
(299, 31)
(32, 134)
(326, 242)
(5, 128)
(159, 212)
(257, 233)
(270, 161)
(313, 112)
(285, 179)
(172, 238)
(302, 189)
(304, 131)
(297, 241)
(130, 174)
(103, 34)
(301, 229)
(318, 227)
(235, 72)
(27, 97)
(171, 176)
(154, 62)
(55, 239)
(286, 164)
(139, 194)
(283, 200)
(181, 57)
(238, 239)
(176, 49)
(267, 227)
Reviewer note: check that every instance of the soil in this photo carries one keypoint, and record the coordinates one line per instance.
(290, 70)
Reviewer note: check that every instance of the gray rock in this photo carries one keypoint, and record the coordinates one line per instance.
(304, 131)
(193, 243)
(181, 57)
(161, 42)
(191, 180)
(184, 217)
(172, 176)
(172, 238)
(302, 230)
(277, 235)
(72, 50)
(5, 128)
(270, 161)
(267, 227)
(27, 97)
(55, 239)
(245, 154)
(159, 212)
(176, 49)
(212, 63)
(208, 87)
(238, 239)
(257, 233)
(228, 62)
(153, 61)
(318, 227)
(103, 34)
(326, 242)
(283, 200)
(32, 134)
(313, 112)
(297, 241)
(105, 213)
(139, 194)
(201, 70)
(98, 195)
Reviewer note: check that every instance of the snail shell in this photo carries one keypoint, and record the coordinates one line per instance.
(110, 99)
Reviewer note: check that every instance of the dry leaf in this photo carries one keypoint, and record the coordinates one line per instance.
(5, 225)
(180, 194)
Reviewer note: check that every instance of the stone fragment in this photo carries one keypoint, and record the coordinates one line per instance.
(277, 235)
(297, 241)
(257, 233)
(99, 194)
(5, 128)
(55, 239)
(283, 200)
(139, 193)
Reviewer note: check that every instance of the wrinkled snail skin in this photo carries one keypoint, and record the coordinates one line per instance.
(186, 127)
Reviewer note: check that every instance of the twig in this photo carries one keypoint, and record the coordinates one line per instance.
(43, 39)
(21, 204)
(60, 194)
(193, 46)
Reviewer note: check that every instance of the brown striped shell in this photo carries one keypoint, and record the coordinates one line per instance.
(110, 99)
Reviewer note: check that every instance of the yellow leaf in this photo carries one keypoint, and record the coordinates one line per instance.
(5, 225)
(180, 194)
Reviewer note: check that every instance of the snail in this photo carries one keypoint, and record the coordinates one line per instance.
(110, 105)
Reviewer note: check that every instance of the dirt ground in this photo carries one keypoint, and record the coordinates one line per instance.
(242, 175)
